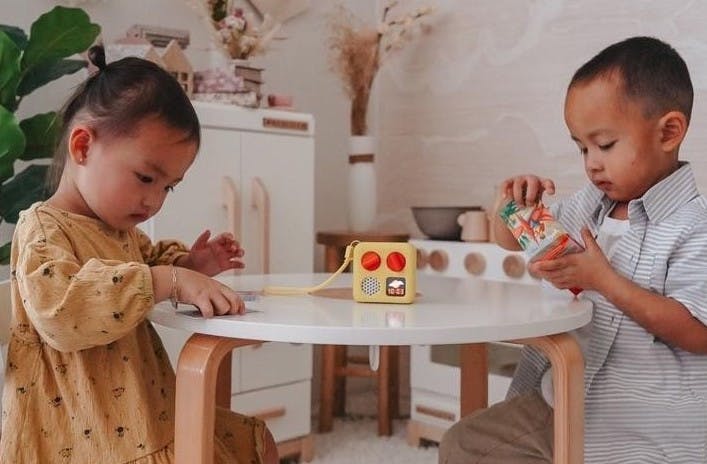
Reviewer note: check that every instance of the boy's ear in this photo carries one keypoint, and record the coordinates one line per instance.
(673, 127)
(80, 139)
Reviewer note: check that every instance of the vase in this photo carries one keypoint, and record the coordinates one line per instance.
(362, 183)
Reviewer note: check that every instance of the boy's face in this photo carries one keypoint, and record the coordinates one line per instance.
(621, 147)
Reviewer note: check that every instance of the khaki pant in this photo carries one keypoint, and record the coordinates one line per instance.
(516, 431)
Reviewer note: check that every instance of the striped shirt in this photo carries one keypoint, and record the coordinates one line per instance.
(645, 401)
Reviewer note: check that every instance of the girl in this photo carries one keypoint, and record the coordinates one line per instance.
(87, 378)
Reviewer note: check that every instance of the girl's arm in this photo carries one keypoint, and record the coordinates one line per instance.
(161, 252)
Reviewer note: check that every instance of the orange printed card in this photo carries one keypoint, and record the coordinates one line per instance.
(538, 233)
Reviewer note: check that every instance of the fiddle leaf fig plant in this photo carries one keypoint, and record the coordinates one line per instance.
(26, 64)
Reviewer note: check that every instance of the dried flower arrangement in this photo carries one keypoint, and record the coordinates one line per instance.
(234, 30)
(357, 52)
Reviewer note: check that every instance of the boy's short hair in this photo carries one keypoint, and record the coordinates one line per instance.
(653, 73)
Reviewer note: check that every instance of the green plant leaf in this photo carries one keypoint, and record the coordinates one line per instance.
(5, 253)
(12, 143)
(57, 34)
(9, 71)
(49, 71)
(42, 134)
(17, 35)
(20, 192)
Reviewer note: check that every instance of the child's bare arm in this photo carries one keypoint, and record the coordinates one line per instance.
(210, 296)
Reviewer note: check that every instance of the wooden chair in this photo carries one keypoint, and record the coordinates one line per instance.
(337, 365)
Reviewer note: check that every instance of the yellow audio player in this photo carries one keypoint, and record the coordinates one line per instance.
(384, 272)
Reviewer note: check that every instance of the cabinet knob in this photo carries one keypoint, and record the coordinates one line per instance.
(421, 259)
(475, 263)
(438, 260)
(514, 266)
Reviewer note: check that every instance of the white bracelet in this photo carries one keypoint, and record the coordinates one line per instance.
(173, 297)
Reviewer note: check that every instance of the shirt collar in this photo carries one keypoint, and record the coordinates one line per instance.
(670, 193)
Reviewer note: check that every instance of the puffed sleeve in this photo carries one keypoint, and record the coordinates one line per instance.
(161, 252)
(74, 306)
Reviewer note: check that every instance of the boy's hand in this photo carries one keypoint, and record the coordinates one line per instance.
(211, 297)
(587, 270)
(526, 190)
(213, 256)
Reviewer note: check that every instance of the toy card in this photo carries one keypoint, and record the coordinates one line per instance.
(538, 233)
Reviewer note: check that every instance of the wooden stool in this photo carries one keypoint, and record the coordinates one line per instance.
(336, 365)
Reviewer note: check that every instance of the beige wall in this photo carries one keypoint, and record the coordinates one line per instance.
(475, 100)
(480, 98)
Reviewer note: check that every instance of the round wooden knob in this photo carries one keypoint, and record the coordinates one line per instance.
(475, 263)
(421, 259)
(514, 266)
(439, 260)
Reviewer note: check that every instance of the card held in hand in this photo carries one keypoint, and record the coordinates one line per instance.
(538, 233)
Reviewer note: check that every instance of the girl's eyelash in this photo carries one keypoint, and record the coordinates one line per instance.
(143, 178)
(169, 188)
(607, 146)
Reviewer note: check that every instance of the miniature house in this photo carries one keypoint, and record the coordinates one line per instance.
(177, 64)
(139, 48)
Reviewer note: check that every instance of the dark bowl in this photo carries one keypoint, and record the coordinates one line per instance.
(440, 222)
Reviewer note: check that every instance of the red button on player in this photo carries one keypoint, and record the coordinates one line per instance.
(395, 261)
(370, 261)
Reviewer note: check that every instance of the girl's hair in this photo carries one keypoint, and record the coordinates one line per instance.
(117, 97)
(653, 74)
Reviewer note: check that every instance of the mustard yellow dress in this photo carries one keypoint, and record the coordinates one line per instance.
(87, 378)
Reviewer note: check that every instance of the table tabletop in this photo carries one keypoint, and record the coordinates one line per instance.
(446, 311)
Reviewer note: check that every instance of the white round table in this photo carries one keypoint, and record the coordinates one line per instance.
(469, 312)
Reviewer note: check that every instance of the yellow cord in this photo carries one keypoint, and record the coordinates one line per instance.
(348, 256)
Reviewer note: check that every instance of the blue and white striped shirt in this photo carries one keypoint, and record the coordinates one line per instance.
(645, 401)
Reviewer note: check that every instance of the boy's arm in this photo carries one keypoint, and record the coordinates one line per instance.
(675, 318)
(666, 318)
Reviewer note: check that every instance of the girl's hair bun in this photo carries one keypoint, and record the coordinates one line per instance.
(97, 57)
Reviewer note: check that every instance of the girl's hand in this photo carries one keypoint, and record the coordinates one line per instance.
(214, 256)
(526, 190)
(211, 297)
(588, 270)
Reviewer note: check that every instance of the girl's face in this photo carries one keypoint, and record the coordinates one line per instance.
(621, 147)
(123, 180)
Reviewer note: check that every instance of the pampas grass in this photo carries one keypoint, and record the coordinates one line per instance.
(357, 52)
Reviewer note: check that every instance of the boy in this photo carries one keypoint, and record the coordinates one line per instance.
(628, 110)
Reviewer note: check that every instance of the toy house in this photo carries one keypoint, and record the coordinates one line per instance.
(176, 63)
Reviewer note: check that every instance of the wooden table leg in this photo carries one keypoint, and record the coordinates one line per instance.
(340, 361)
(195, 409)
(326, 401)
(474, 377)
(385, 422)
(568, 380)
